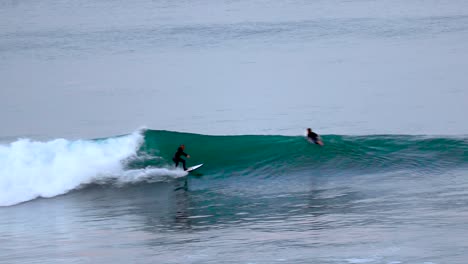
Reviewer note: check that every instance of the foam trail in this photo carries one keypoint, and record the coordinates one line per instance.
(150, 175)
(31, 169)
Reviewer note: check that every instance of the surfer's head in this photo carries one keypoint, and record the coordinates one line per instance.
(309, 130)
(182, 146)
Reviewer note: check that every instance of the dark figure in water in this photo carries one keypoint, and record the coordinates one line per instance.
(311, 136)
(177, 156)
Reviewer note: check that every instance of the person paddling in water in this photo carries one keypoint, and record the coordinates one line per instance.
(177, 156)
(313, 137)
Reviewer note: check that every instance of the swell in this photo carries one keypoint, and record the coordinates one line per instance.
(31, 169)
(262, 155)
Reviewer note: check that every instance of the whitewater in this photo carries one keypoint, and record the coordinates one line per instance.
(31, 169)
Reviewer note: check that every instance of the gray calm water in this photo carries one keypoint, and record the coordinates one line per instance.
(87, 69)
(99, 68)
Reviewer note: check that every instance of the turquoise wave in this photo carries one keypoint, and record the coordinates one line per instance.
(264, 155)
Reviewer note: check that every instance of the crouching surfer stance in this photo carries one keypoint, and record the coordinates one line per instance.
(313, 137)
(177, 156)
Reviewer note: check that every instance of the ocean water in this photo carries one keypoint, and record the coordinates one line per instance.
(96, 96)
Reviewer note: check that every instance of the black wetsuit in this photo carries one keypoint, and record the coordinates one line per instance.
(177, 157)
(313, 136)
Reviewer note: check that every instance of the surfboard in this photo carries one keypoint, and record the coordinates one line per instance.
(319, 141)
(194, 167)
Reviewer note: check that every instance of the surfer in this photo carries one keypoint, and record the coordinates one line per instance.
(312, 136)
(177, 156)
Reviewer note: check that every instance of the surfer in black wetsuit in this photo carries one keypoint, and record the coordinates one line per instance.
(313, 136)
(177, 156)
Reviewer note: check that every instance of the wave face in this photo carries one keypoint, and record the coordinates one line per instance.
(30, 169)
(259, 156)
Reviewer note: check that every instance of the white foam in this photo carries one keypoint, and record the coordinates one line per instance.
(150, 175)
(31, 169)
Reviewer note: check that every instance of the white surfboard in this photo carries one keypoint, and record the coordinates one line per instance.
(194, 167)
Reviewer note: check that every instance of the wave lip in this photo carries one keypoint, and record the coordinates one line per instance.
(31, 169)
